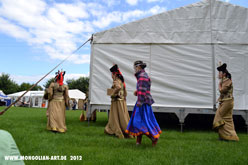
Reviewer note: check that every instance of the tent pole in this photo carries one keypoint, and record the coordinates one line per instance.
(213, 58)
(90, 81)
(214, 79)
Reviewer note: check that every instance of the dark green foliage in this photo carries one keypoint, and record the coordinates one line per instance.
(26, 86)
(49, 81)
(7, 85)
(81, 83)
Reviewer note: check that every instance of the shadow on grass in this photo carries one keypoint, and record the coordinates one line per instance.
(167, 121)
(195, 122)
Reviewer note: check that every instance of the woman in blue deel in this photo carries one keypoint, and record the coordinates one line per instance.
(143, 120)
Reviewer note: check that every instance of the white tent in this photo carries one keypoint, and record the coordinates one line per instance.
(31, 98)
(5, 100)
(2, 95)
(182, 49)
(76, 94)
(1, 92)
(36, 97)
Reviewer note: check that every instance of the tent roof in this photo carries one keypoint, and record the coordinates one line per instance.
(1, 93)
(3, 96)
(29, 93)
(204, 22)
(74, 93)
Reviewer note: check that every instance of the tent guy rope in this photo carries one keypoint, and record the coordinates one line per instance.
(1, 113)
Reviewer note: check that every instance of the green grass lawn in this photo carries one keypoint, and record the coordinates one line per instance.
(28, 127)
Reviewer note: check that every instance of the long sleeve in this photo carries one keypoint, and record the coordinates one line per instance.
(66, 96)
(226, 86)
(49, 95)
(141, 90)
(226, 90)
(116, 87)
(49, 91)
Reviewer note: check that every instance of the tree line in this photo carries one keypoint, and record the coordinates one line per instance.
(8, 86)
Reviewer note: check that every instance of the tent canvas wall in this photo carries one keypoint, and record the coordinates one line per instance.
(31, 98)
(182, 49)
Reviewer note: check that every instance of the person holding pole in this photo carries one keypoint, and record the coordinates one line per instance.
(58, 99)
(223, 120)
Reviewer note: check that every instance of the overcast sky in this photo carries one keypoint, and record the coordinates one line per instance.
(35, 35)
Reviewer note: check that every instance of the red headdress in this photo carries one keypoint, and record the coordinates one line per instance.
(60, 77)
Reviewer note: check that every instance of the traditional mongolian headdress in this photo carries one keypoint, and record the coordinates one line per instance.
(222, 68)
(60, 77)
(140, 63)
(116, 71)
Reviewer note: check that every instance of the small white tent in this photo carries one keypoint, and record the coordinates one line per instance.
(5, 100)
(36, 97)
(182, 49)
(31, 98)
(76, 94)
(1, 92)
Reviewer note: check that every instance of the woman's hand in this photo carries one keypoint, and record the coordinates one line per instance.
(135, 93)
(117, 85)
(220, 85)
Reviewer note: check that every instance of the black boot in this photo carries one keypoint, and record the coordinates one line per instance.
(138, 140)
